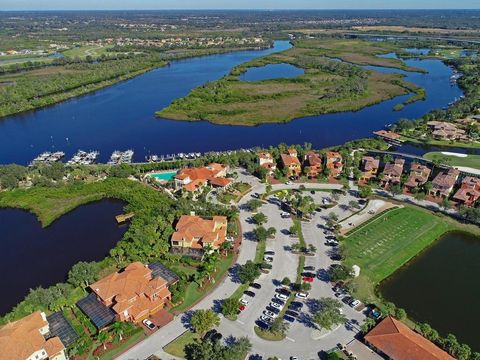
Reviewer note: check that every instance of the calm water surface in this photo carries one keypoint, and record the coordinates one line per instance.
(440, 287)
(122, 116)
(31, 256)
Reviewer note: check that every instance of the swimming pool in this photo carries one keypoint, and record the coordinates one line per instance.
(164, 176)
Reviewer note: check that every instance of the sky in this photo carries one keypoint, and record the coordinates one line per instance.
(238, 4)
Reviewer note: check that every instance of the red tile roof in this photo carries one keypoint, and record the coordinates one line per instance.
(194, 229)
(399, 342)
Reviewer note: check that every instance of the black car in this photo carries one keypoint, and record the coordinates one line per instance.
(278, 301)
(213, 335)
(288, 318)
(295, 306)
(291, 313)
(269, 252)
(331, 237)
(309, 274)
(347, 299)
(283, 291)
(309, 268)
(274, 310)
(263, 325)
(256, 285)
(249, 293)
(336, 257)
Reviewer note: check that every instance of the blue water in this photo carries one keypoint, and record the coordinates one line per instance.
(122, 116)
(167, 176)
(271, 71)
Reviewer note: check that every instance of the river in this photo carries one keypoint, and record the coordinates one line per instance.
(31, 256)
(122, 116)
(440, 287)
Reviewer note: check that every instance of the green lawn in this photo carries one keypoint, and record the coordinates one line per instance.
(193, 294)
(391, 240)
(472, 161)
(177, 346)
(124, 345)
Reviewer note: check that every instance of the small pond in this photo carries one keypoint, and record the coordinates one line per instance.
(32, 256)
(440, 287)
(271, 71)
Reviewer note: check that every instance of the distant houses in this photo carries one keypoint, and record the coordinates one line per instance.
(291, 163)
(469, 192)
(419, 175)
(443, 183)
(193, 180)
(395, 341)
(313, 162)
(30, 338)
(134, 293)
(194, 232)
(392, 173)
(442, 130)
(369, 166)
(334, 163)
(266, 161)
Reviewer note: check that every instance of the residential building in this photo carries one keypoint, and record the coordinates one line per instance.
(133, 293)
(419, 175)
(29, 339)
(265, 160)
(392, 173)
(396, 341)
(369, 167)
(291, 163)
(334, 163)
(469, 192)
(195, 232)
(443, 183)
(193, 180)
(313, 162)
(388, 136)
(442, 130)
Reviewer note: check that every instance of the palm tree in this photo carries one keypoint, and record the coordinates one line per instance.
(119, 328)
(103, 337)
(226, 246)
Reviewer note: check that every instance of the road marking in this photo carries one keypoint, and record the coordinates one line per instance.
(241, 322)
(289, 339)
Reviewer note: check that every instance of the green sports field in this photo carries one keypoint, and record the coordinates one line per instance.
(392, 239)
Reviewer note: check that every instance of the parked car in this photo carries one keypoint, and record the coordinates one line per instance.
(347, 299)
(308, 275)
(269, 252)
(244, 301)
(288, 318)
(281, 297)
(213, 335)
(273, 310)
(241, 307)
(268, 258)
(276, 305)
(149, 324)
(249, 293)
(309, 268)
(263, 325)
(336, 257)
(308, 279)
(278, 301)
(331, 237)
(291, 313)
(283, 291)
(270, 313)
(267, 319)
(256, 285)
(285, 215)
(302, 295)
(355, 303)
(295, 306)
(288, 183)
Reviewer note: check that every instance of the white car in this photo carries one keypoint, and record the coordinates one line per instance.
(302, 295)
(276, 306)
(270, 313)
(267, 319)
(285, 214)
(268, 258)
(355, 303)
(244, 301)
(149, 324)
(281, 296)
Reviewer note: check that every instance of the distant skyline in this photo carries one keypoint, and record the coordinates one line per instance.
(243, 4)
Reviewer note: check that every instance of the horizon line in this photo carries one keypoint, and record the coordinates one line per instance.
(246, 9)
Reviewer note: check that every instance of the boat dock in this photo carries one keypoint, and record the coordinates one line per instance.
(121, 157)
(124, 217)
(84, 158)
(47, 158)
